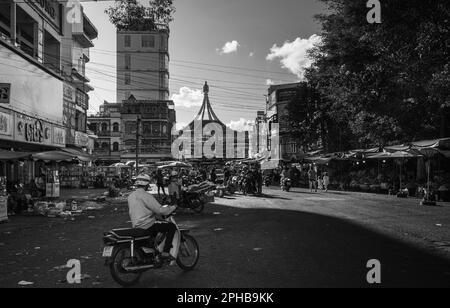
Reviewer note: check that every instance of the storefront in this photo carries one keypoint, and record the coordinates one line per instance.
(23, 133)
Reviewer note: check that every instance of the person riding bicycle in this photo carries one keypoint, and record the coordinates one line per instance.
(145, 210)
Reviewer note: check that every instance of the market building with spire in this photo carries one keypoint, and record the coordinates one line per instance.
(208, 138)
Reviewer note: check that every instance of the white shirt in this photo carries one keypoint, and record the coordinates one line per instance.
(143, 208)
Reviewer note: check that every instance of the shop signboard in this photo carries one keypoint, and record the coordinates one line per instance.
(69, 109)
(6, 124)
(81, 139)
(51, 9)
(59, 136)
(32, 130)
(5, 93)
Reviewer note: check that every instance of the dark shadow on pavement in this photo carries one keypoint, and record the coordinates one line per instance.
(282, 248)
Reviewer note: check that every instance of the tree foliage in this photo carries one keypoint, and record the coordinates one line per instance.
(382, 83)
(133, 16)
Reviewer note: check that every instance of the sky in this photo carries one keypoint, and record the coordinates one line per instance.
(238, 46)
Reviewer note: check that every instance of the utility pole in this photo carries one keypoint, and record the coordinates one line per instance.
(138, 122)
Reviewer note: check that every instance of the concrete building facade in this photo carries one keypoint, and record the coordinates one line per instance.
(41, 77)
(143, 64)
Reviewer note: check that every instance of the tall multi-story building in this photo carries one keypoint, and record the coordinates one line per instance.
(40, 75)
(141, 121)
(143, 64)
(77, 40)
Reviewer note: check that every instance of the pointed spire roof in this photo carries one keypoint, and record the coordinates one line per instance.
(206, 112)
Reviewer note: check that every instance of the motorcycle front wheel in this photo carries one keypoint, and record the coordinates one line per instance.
(197, 206)
(122, 258)
(189, 253)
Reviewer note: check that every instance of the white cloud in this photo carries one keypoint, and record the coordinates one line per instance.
(251, 54)
(229, 47)
(241, 125)
(293, 55)
(269, 82)
(181, 125)
(188, 98)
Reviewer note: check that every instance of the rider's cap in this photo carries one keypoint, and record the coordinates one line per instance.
(142, 180)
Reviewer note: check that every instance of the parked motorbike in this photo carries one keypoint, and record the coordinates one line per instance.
(129, 254)
(192, 200)
(247, 186)
(286, 184)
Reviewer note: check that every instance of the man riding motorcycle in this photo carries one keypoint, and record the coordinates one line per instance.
(145, 210)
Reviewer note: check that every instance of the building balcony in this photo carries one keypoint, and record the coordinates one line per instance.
(104, 134)
(83, 39)
(102, 152)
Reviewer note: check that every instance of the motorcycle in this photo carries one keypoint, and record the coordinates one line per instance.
(192, 200)
(128, 253)
(286, 184)
(267, 181)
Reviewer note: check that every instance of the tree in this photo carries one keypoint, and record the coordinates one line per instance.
(130, 15)
(387, 82)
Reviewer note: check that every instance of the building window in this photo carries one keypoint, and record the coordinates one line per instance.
(127, 61)
(105, 146)
(115, 127)
(115, 147)
(93, 127)
(104, 127)
(130, 127)
(127, 79)
(148, 41)
(127, 42)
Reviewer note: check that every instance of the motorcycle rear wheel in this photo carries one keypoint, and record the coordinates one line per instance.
(188, 247)
(122, 257)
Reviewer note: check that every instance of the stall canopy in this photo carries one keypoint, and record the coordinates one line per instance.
(82, 156)
(426, 148)
(10, 155)
(398, 154)
(176, 164)
(54, 156)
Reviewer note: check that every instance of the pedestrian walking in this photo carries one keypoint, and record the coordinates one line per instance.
(320, 183)
(312, 175)
(160, 182)
(213, 176)
(326, 181)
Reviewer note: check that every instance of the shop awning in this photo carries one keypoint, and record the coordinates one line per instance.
(398, 154)
(54, 156)
(270, 164)
(437, 143)
(318, 160)
(11, 155)
(82, 156)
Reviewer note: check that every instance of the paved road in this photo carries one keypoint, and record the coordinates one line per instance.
(295, 239)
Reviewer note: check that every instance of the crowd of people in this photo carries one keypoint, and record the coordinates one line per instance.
(233, 178)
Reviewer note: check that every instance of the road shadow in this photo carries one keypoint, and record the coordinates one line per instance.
(266, 196)
(282, 248)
